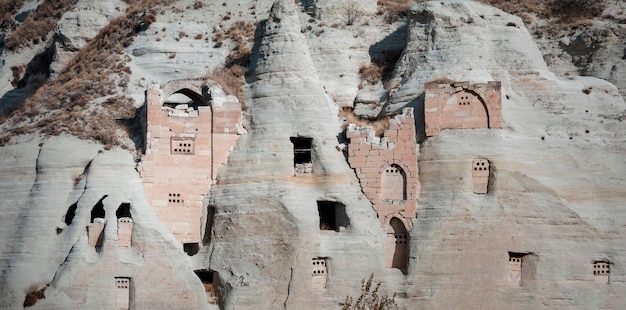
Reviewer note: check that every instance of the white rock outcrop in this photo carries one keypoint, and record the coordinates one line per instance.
(77, 27)
(267, 226)
(40, 250)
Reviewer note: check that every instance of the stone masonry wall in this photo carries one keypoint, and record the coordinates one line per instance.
(461, 105)
(184, 149)
(383, 164)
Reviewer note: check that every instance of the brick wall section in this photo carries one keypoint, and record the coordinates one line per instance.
(370, 156)
(175, 183)
(461, 105)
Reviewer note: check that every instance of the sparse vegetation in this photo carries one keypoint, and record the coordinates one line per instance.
(371, 73)
(370, 299)
(563, 11)
(36, 27)
(67, 104)
(352, 13)
(231, 80)
(198, 5)
(392, 10)
(381, 68)
(8, 9)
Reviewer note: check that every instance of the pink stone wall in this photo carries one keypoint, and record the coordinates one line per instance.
(124, 231)
(122, 293)
(183, 153)
(95, 232)
(376, 161)
(461, 105)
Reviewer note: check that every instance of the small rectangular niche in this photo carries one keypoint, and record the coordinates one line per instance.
(124, 225)
(174, 200)
(521, 267)
(182, 145)
(320, 273)
(124, 231)
(122, 293)
(332, 216)
(302, 159)
(480, 175)
(209, 281)
(601, 272)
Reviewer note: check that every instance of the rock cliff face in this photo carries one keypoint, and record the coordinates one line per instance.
(559, 221)
(46, 243)
(267, 224)
(287, 223)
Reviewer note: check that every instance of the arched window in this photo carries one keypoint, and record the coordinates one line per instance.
(393, 183)
(464, 109)
(184, 103)
(397, 244)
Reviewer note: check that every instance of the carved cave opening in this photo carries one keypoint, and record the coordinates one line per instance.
(397, 244)
(209, 279)
(191, 248)
(332, 215)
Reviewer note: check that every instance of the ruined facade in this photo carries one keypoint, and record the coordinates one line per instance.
(185, 145)
(462, 105)
(387, 167)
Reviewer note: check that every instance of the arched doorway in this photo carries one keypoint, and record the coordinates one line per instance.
(397, 244)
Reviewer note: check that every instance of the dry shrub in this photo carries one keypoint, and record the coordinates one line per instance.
(352, 13)
(8, 9)
(211, 290)
(18, 73)
(37, 26)
(372, 73)
(98, 70)
(198, 36)
(241, 31)
(231, 80)
(240, 55)
(392, 10)
(379, 124)
(564, 11)
(370, 299)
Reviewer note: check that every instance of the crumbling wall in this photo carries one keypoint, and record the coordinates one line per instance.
(184, 148)
(461, 105)
(387, 167)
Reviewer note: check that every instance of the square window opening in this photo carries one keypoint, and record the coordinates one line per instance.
(302, 158)
(332, 216)
(191, 248)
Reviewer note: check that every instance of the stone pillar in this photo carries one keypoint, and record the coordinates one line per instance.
(320, 273)
(95, 232)
(122, 293)
(124, 231)
(514, 277)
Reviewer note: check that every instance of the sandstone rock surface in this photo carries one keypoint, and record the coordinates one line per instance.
(39, 249)
(554, 196)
